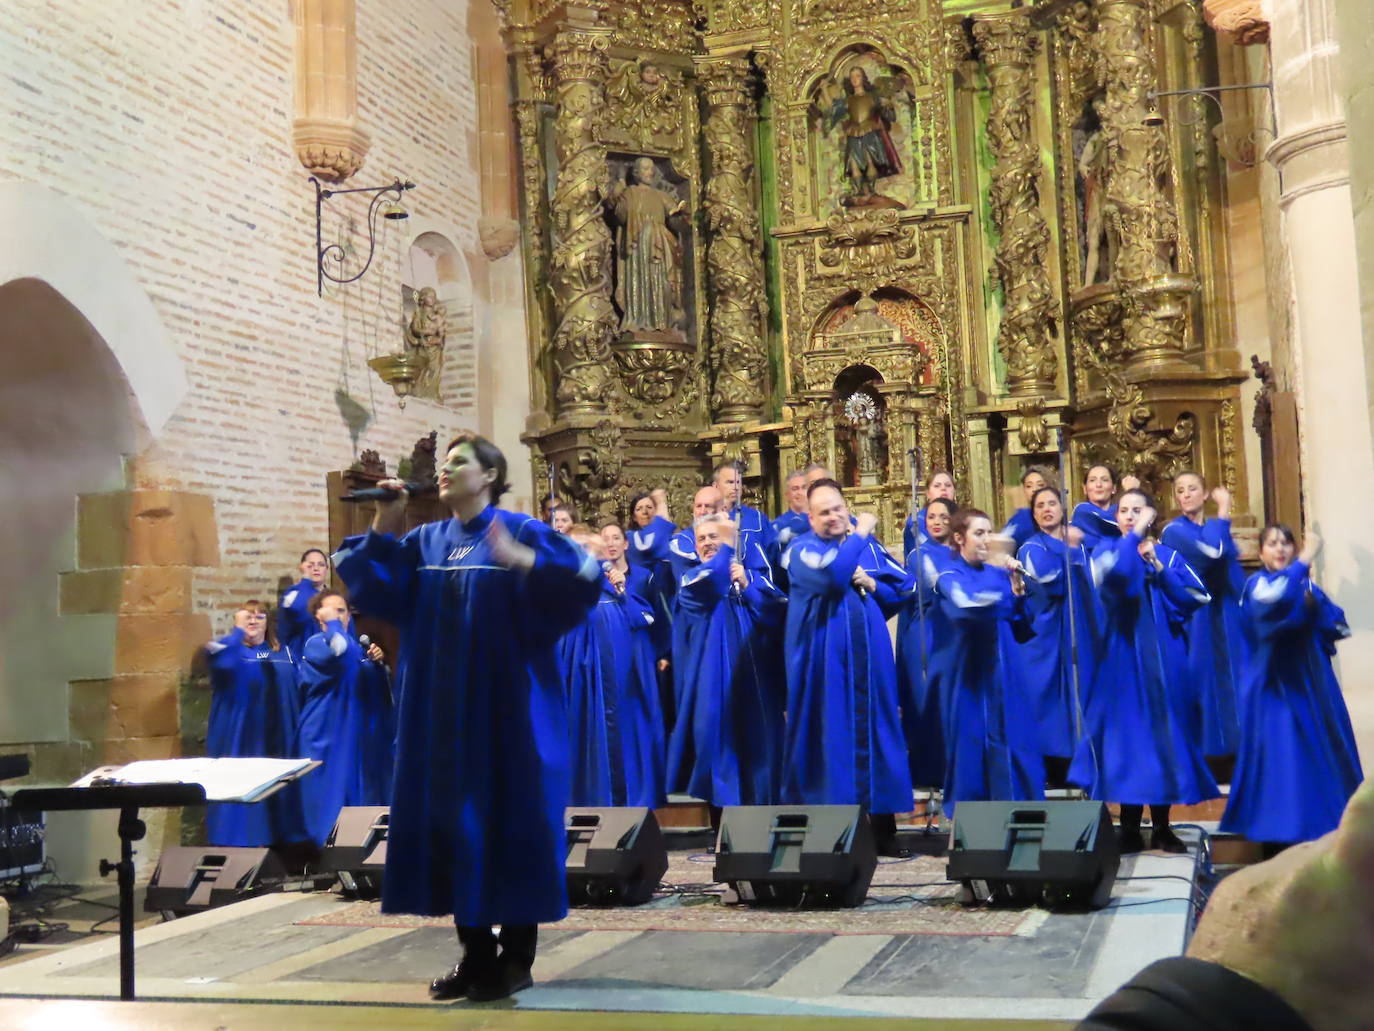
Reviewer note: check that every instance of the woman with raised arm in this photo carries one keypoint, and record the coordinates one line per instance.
(615, 725)
(1297, 765)
(940, 485)
(1054, 557)
(1140, 749)
(918, 687)
(1021, 526)
(254, 712)
(1217, 645)
(990, 739)
(476, 825)
(1096, 516)
(294, 622)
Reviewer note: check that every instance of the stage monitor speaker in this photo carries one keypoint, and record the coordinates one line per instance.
(356, 849)
(616, 856)
(22, 841)
(189, 879)
(819, 855)
(1064, 854)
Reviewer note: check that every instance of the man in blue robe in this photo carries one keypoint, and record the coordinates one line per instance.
(755, 531)
(797, 519)
(294, 622)
(482, 750)
(726, 746)
(844, 741)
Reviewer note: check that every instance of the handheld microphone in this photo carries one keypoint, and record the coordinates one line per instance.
(606, 566)
(416, 490)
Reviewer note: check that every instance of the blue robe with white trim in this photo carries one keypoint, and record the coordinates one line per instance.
(648, 550)
(1046, 659)
(615, 725)
(1098, 524)
(844, 740)
(1141, 748)
(918, 684)
(295, 624)
(915, 524)
(348, 723)
(790, 525)
(254, 711)
(1298, 764)
(726, 746)
(991, 746)
(1020, 527)
(1217, 645)
(481, 781)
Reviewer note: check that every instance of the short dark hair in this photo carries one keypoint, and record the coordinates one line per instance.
(561, 507)
(715, 473)
(1144, 494)
(1042, 490)
(948, 505)
(958, 525)
(1102, 465)
(315, 551)
(318, 600)
(489, 457)
(1282, 529)
(825, 482)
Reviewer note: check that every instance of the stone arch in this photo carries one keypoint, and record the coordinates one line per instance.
(44, 237)
(434, 260)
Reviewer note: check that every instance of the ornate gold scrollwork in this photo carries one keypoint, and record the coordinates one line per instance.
(647, 98)
(580, 266)
(1152, 455)
(864, 244)
(1008, 48)
(1032, 432)
(733, 259)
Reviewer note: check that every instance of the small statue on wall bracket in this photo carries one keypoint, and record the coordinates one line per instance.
(425, 333)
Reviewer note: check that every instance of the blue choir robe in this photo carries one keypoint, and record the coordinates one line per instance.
(1098, 524)
(843, 741)
(915, 524)
(1046, 659)
(348, 723)
(991, 746)
(1297, 765)
(726, 746)
(790, 525)
(254, 711)
(917, 683)
(615, 724)
(1140, 748)
(295, 624)
(648, 551)
(481, 783)
(756, 532)
(1217, 645)
(1020, 527)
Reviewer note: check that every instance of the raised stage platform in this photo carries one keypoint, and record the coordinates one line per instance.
(911, 951)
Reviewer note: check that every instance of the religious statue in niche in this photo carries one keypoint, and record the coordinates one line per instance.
(425, 333)
(864, 118)
(1092, 163)
(648, 254)
(860, 426)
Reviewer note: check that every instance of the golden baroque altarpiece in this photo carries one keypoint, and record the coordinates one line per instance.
(854, 231)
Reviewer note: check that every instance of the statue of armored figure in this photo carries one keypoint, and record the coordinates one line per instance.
(648, 253)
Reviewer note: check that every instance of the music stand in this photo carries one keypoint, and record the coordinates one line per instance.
(128, 799)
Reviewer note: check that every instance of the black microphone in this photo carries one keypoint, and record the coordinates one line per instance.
(416, 490)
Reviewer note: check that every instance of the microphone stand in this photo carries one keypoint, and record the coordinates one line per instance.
(735, 587)
(916, 464)
(1069, 593)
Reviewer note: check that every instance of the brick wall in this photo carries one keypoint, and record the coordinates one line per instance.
(168, 125)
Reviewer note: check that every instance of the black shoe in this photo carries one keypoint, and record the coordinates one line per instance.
(1131, 840)
(503, 982)
(892, 848)
(455, 984)
(1164, 839)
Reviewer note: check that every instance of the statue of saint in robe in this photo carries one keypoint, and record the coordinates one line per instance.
(648, 287)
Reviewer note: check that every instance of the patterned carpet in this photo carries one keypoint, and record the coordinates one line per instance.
(908, 896)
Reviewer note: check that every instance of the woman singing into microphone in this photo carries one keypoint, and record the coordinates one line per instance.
(1053, 557)
(1140, 748)
(990, 740)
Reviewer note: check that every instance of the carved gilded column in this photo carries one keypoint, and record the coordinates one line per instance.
(328, 139)
(579, 270)
(1008, 46)
(734, 260)
(1138, 212)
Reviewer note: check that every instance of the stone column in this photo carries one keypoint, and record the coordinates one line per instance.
(734, 256)
(328, 139)
(1007, 47)
(1138, 212)
(579, 271)
(1312, 156)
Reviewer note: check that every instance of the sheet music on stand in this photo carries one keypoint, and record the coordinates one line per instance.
(224, 779)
